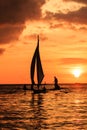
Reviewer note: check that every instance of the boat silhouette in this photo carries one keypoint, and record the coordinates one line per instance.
(36, 64)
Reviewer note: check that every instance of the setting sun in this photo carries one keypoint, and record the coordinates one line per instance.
(61, 26)
(77, 72)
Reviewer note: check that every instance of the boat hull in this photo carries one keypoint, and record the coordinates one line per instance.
(39, 91)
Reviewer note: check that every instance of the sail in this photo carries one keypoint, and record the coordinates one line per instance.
(40, 74)
(36, 61)
(33, 67)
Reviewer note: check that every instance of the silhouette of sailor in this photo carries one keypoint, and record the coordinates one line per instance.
(56, 83)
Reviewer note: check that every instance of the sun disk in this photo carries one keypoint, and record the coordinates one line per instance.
(77, 72)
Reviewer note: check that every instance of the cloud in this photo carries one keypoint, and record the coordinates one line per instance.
(79, 1)
(1, 51)
(77, 17)
(70, 61)
(9, 33)
(14, 14)
(58, 25)
(82, 41)
(18, 11)
(42, 37)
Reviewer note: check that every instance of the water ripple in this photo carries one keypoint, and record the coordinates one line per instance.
(54, 110)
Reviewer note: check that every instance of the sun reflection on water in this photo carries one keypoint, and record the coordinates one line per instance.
(53, 110)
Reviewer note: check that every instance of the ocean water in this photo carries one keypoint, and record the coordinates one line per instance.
(64, 109)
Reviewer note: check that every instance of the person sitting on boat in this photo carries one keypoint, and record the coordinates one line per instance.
(56, 83)
(44, 88)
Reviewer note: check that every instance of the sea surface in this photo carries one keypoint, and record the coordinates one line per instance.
(64, 109)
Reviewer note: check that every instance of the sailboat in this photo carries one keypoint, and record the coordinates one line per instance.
(36, 63)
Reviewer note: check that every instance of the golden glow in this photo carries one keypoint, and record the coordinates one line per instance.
(59, 5)
(63, 45)
(77, 72)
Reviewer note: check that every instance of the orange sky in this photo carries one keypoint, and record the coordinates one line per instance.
(62, 27)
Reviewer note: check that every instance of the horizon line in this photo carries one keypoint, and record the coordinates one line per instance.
(40, 84)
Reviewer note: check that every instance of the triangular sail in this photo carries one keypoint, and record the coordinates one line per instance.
(32, 69)
(40, 73)
(36, 61)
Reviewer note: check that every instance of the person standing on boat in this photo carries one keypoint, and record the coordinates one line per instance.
(56, 83)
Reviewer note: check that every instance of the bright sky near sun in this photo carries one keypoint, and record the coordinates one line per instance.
(62, 28)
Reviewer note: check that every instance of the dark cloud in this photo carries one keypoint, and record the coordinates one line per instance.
(9, 33)
(79, 1)
(18, 11)
(1, 51)
(78, 17)
(14, 13)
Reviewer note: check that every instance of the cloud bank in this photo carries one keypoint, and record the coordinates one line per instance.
(78, 1)
(13, 14)
(77, 17)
